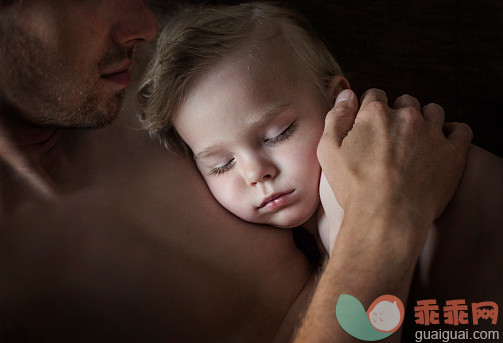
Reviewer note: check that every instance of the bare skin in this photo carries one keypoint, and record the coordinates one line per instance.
(237, 292)
(133, 234)
(60, 71)
(462, 256)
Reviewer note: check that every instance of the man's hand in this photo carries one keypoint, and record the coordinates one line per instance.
(396, 161)
(393, 171)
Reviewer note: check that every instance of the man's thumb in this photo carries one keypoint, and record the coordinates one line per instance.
(341, 117)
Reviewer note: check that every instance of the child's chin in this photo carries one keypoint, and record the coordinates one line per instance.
(282, 224)
(287, 224)
(289, 221)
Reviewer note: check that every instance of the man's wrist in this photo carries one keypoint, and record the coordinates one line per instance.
(366, 262)
(392, 221)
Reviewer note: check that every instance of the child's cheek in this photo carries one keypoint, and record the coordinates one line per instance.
(229, 192)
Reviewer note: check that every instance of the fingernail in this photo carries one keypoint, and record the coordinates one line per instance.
(343, 96)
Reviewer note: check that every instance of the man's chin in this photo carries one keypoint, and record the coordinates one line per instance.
(91, 117)
(101, 122)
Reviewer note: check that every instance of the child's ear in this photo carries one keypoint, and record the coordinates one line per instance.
(337, 85)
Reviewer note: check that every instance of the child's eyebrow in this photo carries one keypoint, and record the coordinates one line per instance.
(268, 113)
(212, 150)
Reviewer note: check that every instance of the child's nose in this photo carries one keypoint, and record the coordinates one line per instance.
(259, 170)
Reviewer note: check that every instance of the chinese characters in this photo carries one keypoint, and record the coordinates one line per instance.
(455, 312)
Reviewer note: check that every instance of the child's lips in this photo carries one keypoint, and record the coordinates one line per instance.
(276, 200)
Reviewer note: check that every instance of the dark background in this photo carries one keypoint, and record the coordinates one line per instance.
(448, 52)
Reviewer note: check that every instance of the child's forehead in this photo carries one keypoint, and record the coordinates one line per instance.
(265, 50)
(260, 73)
(269, 60)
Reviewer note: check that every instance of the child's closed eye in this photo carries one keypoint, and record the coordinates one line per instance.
(283, 135)
(218, 170)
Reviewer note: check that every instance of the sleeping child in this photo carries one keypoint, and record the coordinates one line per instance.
(244, 90)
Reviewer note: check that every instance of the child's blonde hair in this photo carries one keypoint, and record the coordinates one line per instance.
(197, 38)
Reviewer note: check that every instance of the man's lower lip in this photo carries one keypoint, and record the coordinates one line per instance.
(278, 203)
(123, 78)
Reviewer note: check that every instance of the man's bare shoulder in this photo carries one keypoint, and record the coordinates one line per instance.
(161, 257)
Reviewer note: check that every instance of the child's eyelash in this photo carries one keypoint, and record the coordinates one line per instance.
(283, 135)
(222, 169)
(270, 141)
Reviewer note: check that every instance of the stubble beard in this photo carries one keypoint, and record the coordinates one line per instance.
(46, 91)
(95, 112)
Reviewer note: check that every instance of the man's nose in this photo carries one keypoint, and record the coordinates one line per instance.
(136, 25)
(259, 170)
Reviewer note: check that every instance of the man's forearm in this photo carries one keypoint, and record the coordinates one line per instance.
(366, 263)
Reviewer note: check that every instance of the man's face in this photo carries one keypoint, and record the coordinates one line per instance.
(254, 126)
(65, 63)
